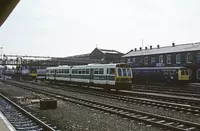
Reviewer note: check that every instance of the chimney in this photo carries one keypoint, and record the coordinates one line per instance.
(135, 49)
(145, 48)
(173, 44)
(158, 46)
(151, 47)
(140, 48)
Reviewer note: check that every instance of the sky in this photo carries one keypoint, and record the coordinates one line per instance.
(71, 27)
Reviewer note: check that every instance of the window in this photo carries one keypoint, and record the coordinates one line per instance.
(83, 71)
(112, 71)
(153, 60)
(178, 58)
(129, 72)
(198, 57)
(124, 72)
(161, 59)
(119, 72)
(146, 60)
(134, 60)
(87, 71)
(96, 71)
(169, 59)
(189, 58)
(101, 71)
(129, 59)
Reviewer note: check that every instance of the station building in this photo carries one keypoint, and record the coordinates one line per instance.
(186, 55)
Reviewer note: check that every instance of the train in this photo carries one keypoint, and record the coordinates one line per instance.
(108, 76)
(167, 75)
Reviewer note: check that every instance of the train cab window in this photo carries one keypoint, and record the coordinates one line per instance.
(182, 72)
(87, 71)
(186, 72)
(129, 72)
(119, 72)
(124, 72)
(101, 71)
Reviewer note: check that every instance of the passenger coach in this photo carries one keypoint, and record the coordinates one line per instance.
(168, 75)
(107, 76)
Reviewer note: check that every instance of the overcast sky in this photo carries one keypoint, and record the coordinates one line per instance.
(72, 27)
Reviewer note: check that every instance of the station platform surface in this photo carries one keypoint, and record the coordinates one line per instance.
(5, 125)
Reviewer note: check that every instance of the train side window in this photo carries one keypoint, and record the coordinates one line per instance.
(87, 71)
(76, 71)
(83, 71)
(73, 71)
(101, 71)
(79, 71)
(96, 71)
(119, 72)
(112, 71)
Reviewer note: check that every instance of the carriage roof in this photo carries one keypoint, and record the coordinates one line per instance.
(159, 68)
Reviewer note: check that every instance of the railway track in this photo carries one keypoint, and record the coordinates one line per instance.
(20, 118)
(170, 105)
(151, 119)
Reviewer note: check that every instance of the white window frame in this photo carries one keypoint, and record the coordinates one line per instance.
(161, 60)
(169, 59)
(146, 61)
(153, 60)
(178, 56)
(189, 59)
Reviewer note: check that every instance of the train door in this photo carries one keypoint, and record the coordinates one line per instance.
(91, 75)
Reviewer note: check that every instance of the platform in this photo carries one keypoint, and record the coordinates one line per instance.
(5, 125)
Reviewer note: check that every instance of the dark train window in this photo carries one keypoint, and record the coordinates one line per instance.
(67, 70)
(87, 71)
(124, 72)
(112, 71)
(83, 71)
(129, 72)
(75, 71)
(96, 71)
(186, 72)
(182, 72)
(101, 71)
(79, 71)
(119, 72)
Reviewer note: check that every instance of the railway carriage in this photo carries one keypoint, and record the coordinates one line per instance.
(41, 74)
(168, 75)
(107, 76)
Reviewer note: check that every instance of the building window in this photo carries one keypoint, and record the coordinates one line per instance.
(129, 60)
(198, 57)
(161, 59)
(189, 58)
(178, 58)
(146, 60)
(153, 60)
(169, 59)
(134, 60)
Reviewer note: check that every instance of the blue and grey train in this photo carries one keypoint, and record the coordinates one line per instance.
(167, 75)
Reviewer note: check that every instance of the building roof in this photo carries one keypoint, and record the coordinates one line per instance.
(164, 50)
(104, 51)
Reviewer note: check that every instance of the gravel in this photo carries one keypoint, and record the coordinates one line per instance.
(141, 107)
(70, 116)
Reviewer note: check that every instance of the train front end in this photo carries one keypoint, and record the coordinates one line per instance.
(123, 77)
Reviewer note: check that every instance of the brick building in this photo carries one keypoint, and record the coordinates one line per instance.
(187, 55)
